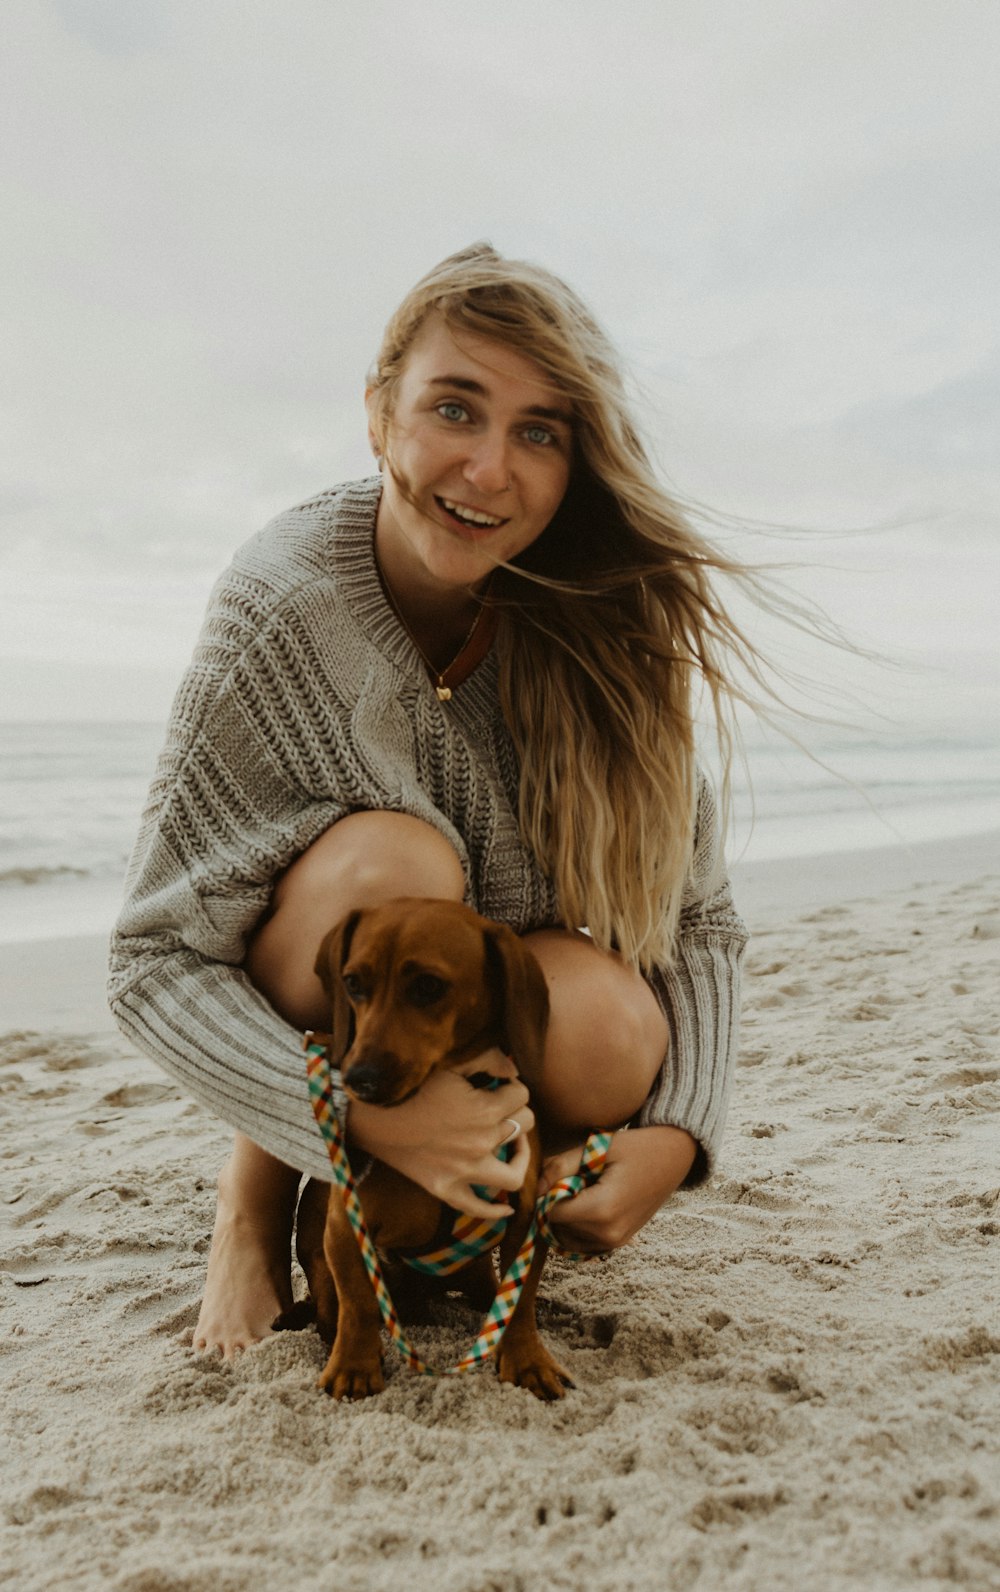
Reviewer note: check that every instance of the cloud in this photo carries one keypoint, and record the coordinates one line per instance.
(782, 213)
(112, 29)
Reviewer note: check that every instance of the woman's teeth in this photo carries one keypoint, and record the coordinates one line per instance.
(469, 516)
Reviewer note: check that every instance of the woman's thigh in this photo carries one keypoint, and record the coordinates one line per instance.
(362, 861)
(607, 1037)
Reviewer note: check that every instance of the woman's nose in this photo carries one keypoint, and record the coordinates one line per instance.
(488, 465)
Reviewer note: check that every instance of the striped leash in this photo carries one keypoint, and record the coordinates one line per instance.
(498, 1317)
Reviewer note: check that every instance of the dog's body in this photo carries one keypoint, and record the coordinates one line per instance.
(417, 985)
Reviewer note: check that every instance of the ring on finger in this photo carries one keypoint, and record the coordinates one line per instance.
(515, 1128)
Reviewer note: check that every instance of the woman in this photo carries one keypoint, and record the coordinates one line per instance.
(470, 677)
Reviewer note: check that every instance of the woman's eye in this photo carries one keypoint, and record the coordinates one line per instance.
(453, 411)
(540, 434)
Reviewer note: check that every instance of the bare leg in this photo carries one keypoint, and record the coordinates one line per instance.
(606, 1044)
(248, 1282)
(364, 860)
(606, 1041)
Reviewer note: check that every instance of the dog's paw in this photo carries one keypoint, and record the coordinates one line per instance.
(535, 1370)
(353, 1378)
(301, 1315)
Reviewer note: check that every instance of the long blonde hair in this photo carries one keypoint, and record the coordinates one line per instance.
(608, 622)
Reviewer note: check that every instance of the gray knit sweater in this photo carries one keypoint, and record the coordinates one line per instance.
(305, 701)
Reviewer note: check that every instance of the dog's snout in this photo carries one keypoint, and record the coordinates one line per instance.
(372, 1081)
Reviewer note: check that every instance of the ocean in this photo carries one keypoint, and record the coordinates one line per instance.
(71, 796)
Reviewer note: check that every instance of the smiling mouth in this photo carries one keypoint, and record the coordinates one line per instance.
(469, 519)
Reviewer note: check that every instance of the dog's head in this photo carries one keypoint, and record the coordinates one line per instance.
(419, 984)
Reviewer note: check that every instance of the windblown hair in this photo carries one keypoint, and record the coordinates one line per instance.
(609, 626)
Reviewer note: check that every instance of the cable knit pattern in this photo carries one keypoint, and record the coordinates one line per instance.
(305, 701)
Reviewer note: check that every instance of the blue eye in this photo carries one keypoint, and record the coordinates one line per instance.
(452, 411)
(540, 434)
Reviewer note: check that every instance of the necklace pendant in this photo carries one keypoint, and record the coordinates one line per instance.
(444, 693)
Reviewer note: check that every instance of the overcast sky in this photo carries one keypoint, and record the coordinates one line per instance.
(786, 214)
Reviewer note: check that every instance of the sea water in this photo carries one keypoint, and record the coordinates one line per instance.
(71, 796)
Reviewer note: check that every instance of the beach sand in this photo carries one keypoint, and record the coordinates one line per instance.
(790, 1380)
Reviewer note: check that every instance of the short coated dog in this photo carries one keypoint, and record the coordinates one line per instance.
(416, 985)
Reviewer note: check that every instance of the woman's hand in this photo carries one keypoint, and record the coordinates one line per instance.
(445, 1137)
(643, 1168)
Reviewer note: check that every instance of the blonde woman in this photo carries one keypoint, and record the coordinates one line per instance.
(470, 677)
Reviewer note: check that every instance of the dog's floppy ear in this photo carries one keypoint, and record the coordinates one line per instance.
(330, 958)
(524, 999)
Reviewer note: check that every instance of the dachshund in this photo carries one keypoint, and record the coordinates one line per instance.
(416, 985)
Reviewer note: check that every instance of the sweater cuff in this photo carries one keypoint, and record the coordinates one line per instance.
(699, 997)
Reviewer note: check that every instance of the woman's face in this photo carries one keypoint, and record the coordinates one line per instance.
(483, 442)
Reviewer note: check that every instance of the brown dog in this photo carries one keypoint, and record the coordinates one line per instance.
(416, 985)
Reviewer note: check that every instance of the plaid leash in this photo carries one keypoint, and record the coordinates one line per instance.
(497, 1318)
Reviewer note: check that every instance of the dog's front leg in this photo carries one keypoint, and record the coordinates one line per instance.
(310, 1230)
(354, 1369)
(522, 1357)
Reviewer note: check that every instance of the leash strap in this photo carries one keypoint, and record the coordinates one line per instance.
(469, 1236)
(498, 1317)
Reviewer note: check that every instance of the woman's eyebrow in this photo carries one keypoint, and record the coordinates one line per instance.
(467, 384)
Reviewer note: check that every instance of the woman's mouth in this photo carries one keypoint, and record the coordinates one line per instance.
(473, 521)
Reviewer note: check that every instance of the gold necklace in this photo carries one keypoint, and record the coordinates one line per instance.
(437, 675)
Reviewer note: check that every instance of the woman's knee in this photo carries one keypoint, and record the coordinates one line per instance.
(368, 858)
(607, 1035)
(362, 861)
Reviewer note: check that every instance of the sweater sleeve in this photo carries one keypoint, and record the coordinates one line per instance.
(233, 801)
(699, 996)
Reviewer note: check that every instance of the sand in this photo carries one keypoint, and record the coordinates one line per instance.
(790, 1380)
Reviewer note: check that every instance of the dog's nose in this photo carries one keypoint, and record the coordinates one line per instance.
(369, 1082)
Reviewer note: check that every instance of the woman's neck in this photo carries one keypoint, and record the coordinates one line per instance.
(438, 618)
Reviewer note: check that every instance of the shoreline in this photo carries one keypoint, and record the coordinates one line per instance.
(56, 984)
(823, 879)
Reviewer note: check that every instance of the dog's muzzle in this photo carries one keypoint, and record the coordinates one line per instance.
(377, 1081)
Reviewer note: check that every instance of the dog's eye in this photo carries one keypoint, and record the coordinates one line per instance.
(426, 989)
(353, 986)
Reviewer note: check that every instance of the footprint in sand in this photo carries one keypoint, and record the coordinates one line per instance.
(867, 1012)
(140, 1094)
(56, 1055)
(975, 1345)
(767, 969)
(966, 1078)
(736, 1507)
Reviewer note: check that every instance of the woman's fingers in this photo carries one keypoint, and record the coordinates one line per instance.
(580, 1223)
(464, 1198)
(511, 1173)
(446, 1137)
(556, 1167)
(510, 1104)
(493, 1061)
(502, 1176)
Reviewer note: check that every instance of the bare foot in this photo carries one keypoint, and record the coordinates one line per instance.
(249, 1264)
